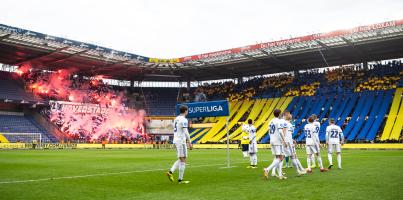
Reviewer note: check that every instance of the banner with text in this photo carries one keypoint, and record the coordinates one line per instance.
(206, 109)
(83, 108)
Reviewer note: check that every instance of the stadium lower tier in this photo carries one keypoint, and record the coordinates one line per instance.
(20, 128)
(363, 116)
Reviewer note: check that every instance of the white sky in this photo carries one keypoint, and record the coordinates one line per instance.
(177, 28)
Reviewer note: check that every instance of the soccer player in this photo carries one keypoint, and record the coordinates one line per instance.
(245, 141)
(290, 150)
(317, 142)
(181, 137)
(251, 130)
(277, 144)
(311, 147)
(333, 136)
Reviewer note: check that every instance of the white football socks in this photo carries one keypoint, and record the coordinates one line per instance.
(254, 159)
(182, 166)
(313, 160)
(339, 160)
(175, 166)
(329, 156)
(301, 168)
(320, 162)
(280, 168)
(273, 164)
(295, 164)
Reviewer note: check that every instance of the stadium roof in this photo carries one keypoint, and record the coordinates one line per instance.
(360, 44)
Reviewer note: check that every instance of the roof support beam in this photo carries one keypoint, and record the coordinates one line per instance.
(65, 58)
(362, 54)
(260, 63)
(281, 60)
(210, 69)
(41, 56)
(340, 54)
(335, 52)
(5, 36)
(105, 67)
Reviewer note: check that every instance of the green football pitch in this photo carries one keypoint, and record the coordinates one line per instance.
(140, 174)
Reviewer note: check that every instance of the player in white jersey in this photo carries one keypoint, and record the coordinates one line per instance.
(333, 136)
(181, 137)
(251, 130)
(277, 144)
(273, 171)
(317, 141)
(290, 150)
(288, 138)
(311, 147)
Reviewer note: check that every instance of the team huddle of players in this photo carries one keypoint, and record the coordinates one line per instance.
(283, 146)
(281, 142)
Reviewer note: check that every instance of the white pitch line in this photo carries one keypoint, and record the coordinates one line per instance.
(102, 174)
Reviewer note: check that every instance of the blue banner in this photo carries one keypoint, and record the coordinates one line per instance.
(206, 109)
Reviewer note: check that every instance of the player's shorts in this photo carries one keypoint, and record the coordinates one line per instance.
(245, 147)
(181, 150)
(253, 147)
(290, 150)
(277, 150)
(312, 149)
(334, 147)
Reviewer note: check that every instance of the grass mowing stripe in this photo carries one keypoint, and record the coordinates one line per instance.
(107, 174)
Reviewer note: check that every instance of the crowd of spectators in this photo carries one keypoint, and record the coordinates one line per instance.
(62, 86)
(332, 80)
(378, 83)
(86, 127)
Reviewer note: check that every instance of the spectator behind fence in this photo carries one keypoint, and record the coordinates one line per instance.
(200, 96)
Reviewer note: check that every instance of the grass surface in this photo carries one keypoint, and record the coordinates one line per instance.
(139, 174)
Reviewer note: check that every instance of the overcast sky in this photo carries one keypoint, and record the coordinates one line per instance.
(177, 28)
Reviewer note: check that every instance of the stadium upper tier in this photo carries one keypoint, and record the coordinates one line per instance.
(381, 41)
(341, 80)
(11, 90)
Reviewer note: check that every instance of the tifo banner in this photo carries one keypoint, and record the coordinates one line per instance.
(206, 109)
(78, 107)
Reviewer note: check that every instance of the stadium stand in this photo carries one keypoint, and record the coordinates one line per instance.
(20, 124)
(160, 101)
(392, 116)
(10, 89)
(357, 98)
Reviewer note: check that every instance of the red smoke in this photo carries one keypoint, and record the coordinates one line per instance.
(63, 86)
